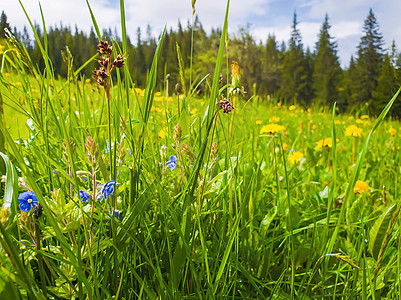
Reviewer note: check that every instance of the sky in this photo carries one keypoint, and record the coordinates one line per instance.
(264, 17)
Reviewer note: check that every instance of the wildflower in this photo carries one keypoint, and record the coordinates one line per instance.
(361, 187)
(258, 122)
(214, 149)
(29, 122)
(84, 195)
(116, 213)
(177, 132)
(392, 131)
(292, 107)
(365, 117)
(285, 147)
(326, 142)
(172, 163)
(274, 119)
(27, 200)
(295, 157)
(107, 149)
(271, 129)
(163, 151)
(108, 188)
(353, 130)
(162, 134)
(235, 74)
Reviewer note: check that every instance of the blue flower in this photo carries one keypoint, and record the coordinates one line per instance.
(27, 200)
(108, 188)
(84, 195)
(107, 149)
(116, 212)
(172, 163)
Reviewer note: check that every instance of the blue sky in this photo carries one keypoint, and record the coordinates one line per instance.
(264, 17)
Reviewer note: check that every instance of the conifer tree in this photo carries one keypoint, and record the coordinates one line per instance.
(295, 80)
(327, 70)
(368, 64)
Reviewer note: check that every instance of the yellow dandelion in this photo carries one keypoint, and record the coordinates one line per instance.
(258, 122)
(295, 157)
(156, 109)
(359, 121)
(271, 129)
(194, 111)
(353, 130)
(285, 147)
(392, 131)
(19, 84)
(326, 142)
(292, 107)
(361, 187)
(364, 117)
(162, 134)
(337, 122)
(88, 80)
(274, 119)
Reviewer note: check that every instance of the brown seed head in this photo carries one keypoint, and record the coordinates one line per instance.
(104, 62)
(225, 105)
(90, 145)
(188, 151)
(105, 48)
(118, 62)
(214, 150)
(177, 132)
(178, 88)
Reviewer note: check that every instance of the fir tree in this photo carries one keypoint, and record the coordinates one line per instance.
(327, 70)
(368, 64)
(295, 77)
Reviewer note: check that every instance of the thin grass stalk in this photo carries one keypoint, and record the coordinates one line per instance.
(289, 218)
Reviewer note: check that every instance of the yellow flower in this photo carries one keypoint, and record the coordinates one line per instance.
(295, 157)
(19, 84)
(392, 131)
(88, 80)
(327, 143)
(292, 107)
(258, 122)
(271, 129)
(361, 187)
(274, 119)
(162, 134)
(353, 130)
(285, 147)
(194, 111)
(156, 109)
(365, 117)
(337, 122)
(359, 121)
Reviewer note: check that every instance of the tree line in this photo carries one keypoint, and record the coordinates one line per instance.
(288, 71)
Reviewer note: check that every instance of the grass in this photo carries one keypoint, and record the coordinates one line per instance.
(249, 211)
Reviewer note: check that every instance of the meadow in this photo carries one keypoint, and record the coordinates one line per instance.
(112, 191)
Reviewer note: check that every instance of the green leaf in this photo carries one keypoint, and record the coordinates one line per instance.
(378, 231)
(11, 188)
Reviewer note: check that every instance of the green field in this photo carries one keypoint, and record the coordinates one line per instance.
(134, 193)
